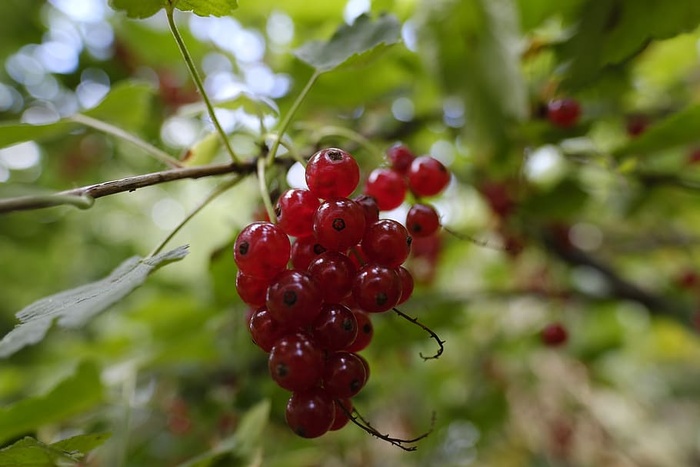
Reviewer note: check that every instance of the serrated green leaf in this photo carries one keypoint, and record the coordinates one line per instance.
(75, 307)
(75, 394)
(126, 105)
(351, 42)
(14, 133)
(146, 8)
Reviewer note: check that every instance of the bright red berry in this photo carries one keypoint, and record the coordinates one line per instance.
(422, 220)
(295, 211)
(427, 176)
(376, 288)
(341, 416)
(335, 328)
(262, 250)
(332, 173)
(310, 413)
(304, 250)
(554, 334)
(293, 298)
(334, 273)
(563, 113)
(264, 330)
(370, 206)
(388, 187)
(295, 363)
(339, 224)
(387, 243)
(406, 284)
(400, 157)
(365, 331)
(344, 374)
(252, 290)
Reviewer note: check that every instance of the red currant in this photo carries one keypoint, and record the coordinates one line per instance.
(264, 330)
(387, 187)
(341, 416)
(365, 331)
(295, 363)
(554, 334)
(427, 176)
(304, 250)
(335, 328)
(422, 220)
(563, 113)
(333, 272)
(376, 288)
(262, 250)
(332, 173)
(339, 224)
(343, 374)
(295, 212)
(406, 284)
(370, 206)
(400, 157)
(387, 243)
(293, 298)
(310, 413)
(251, 289)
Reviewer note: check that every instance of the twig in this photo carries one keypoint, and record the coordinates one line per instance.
(475, 241)
(433, 335)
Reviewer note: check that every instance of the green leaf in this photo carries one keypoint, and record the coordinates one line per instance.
(82, 443)
(14, 133)
(75, 307)
(31, 452)
(354, 42)
(203, 151)
(126, 105)
(241, 447)
(146, 8)
(74, 395)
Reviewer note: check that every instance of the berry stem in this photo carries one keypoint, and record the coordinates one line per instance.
(475, 241)
(264, 193)
(288, 146)
(223, 187)
(169, 10)
(433, 335)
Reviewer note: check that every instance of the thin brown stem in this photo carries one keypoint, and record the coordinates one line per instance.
(433, 334)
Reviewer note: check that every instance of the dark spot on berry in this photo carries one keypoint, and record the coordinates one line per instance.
(367, 328)
(335, 156)
(338, 224)
(355, 385)
(243, 248)
(289, 297)
(416, 227)
(381, 298)
(409, 240)
(347, 325)
(318, 249)
(281, 370)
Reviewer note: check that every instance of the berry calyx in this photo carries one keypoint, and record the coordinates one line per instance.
(339, 224)
(332, 173)
(563, 113)
(422, 220)
(427, 176)
(261, 250)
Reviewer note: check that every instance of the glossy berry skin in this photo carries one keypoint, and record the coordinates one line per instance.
(310, 413)
(388, 187)
(252, 290)
(365, 331)
(400, 157)
(264, 330)
(422, 220)
(295, 362)
(339, 224)
(344, 374)
(293, 298)
(335, 327)
(376, 288)
(406, 284)
(262, 250)
(370, 206)
(295, 211)
(304, 250)
(554, 335)
(427, 176)
(341, 416)
(333, 272)
(563, 113)
(332, 173)
(387, 243)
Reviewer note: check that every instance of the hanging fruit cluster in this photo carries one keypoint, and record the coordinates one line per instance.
(313, 298)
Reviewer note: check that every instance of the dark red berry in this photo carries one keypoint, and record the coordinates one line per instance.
(427, 176)
(387, 187)
(264, 330)
(293, 298)
(335, 328)
(694, 157)
(406, 284)
(295, 363)
(339, 224)
(554, 334)
(252, 290)
(310, 413)
(400, 157)
(422, 220)
(295, 212)
(344, 374)
(334, 273)
(637, 124)
(563, 113)
(365, 331)
(332, 173)
(341, 416)
(387, 243)
(262, 250)
(376, 288)
(370, 206)
(304, 250)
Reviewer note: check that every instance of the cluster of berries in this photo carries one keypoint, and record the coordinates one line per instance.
(313, 317)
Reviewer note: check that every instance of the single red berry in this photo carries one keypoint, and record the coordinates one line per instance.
(563, 113)
(334, 273)
(694, 157)
(365, 331)
(637, 124)
(332, 173)
(370, 206)
(295, 212)
(406, 284)
(387, 243)
(400, 157)
(252, 290)
(295, 363)
(387, 187)
(427, 176)
(343, 374)
(339, 224)
(335, 327)
(422, 220)
(262, 250)
(376, 288)
(304, 250)
(341, 416)
(264, 330)
(554, 334)
(310, 413)
(293, 298)
(688, 279)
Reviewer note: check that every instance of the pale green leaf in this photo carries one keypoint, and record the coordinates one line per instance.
(13, 133)
(351, 42)
(29, 452)
(74, 395)
(127, 105)
(203, 151)
(81, 443)
(146, 8)
(75, 307)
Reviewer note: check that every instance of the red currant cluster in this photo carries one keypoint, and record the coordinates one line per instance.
(313, 317)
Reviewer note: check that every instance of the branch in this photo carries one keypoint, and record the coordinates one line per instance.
(84, 196)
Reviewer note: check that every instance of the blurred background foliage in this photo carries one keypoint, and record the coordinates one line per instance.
(595, 226)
